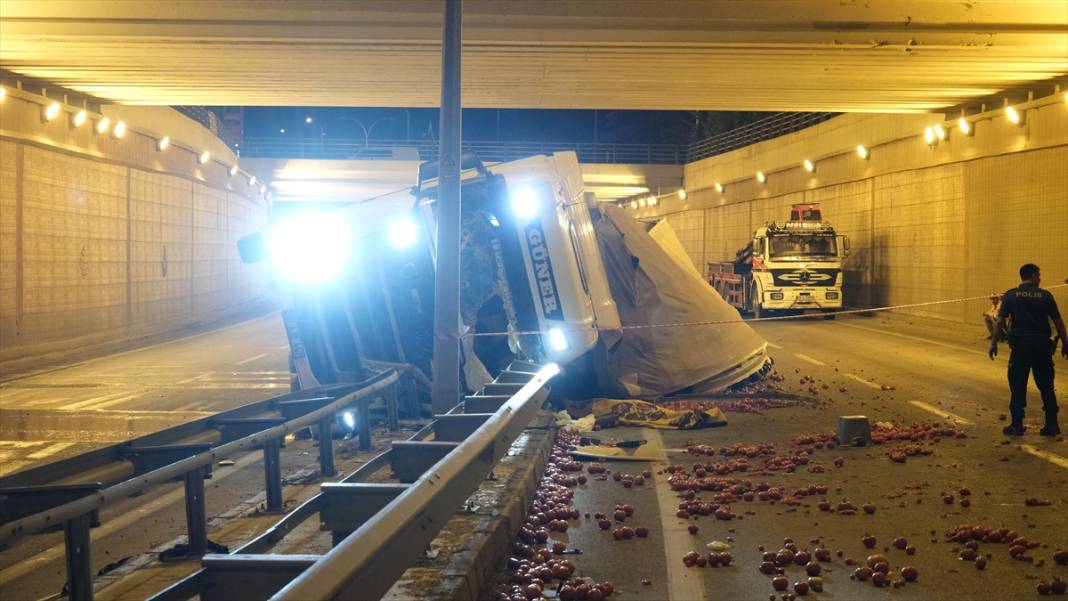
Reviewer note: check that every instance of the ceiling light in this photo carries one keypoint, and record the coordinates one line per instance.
(307, 120)
(682, 193)
(252, 180)
(52, 111)
(233, 170)
(808, 165)
(1015, 116)
(719, 187)
(634, 204)
(204, 157)
(79, 118)
(862, 151)
(641, 202)
(761, 177)
(3, 93)
(940, 132)
(119, 131)
(653, 200)
(163, 143)
(929, 136)
(103, 125)
(964, 126)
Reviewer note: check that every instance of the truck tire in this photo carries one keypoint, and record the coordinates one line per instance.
(759, 312)
(829, 315)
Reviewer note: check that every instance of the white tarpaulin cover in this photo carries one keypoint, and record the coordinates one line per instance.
(651, 288)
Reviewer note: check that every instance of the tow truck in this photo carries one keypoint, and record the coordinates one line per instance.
(791, 266)
(357, 285)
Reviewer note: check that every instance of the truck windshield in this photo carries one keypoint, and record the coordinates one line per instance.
(797, 247)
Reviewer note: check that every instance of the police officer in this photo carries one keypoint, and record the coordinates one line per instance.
(1030, 308)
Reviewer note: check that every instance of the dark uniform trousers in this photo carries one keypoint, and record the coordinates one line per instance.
(1031, 355)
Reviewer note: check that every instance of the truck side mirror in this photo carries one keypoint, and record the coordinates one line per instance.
(845, 245)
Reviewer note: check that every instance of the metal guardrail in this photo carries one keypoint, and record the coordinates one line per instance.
(425, 150)
(380, 529)
(767, 128)
(76, 516)
(326, 147)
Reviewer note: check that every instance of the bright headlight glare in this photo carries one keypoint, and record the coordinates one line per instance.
(402, 233)
(557, 339)
(350, 420)
(309, 248)
(525, 204)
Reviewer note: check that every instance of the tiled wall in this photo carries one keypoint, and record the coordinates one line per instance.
(111, 251)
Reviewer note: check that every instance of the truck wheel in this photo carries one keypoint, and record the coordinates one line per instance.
(829, 315)
(759, 312)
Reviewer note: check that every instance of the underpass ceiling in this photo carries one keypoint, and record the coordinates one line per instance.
(775, 55)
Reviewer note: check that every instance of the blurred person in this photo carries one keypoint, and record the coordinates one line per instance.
(1031, 309)
(990, 318)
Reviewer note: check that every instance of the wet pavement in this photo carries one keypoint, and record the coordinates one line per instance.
(897, 373)
(68, 410)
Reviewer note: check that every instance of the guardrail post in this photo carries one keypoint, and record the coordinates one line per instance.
(326, 446)
(364, 423)
(79, 569)
(196, 518)
(392, 416)
(272, 468)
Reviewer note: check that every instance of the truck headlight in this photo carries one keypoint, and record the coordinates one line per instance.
(776, 296)
(558, 340)
(525, 204)
(310, 248)
(403, 233)
(832, 295)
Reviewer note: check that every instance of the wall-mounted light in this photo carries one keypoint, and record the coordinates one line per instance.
(252, 180)
(719, 187)
(929, 136)
(940, 132)
(682, 194)
(163, 143)
(103, 125)
(965, 126)
(653, 201)
(862, 151)
(119, 131)
(78, 119)
(307, 119)
(51, 111)
(233, 170)
(761, 177)
(3, 93)
(282, 131)
(809, 166)
(634, 205)
(1015, 117)
(641, 202)
(204, 157)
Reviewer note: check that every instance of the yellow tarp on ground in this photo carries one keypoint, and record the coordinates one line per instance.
(642, 413)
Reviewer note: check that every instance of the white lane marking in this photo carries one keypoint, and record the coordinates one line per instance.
(92, 401)
(10, 467)
(773, 345)
(125, 520)
(684, 583)
(1001, 348)
(1053, 458)
(251, 359)
(946, 414)
(195, 378)
(116, 401)
(50, 450)
(19, 444)
(810, 359)
(284, 347)
(867, 383)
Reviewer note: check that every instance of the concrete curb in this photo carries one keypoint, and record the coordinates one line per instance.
(461, 571)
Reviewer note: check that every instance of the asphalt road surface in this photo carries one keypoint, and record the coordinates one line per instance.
(890, 370)
(68, 410)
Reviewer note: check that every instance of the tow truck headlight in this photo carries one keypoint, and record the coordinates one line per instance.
(558, 340)
(775, 296)
(832, 295)
(525, 204)
(309, 248)
(402, 233)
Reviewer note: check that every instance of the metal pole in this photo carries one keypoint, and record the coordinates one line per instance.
(79, 570)
(446, 370)
(326, 446)
(196, 518)
(272, 471)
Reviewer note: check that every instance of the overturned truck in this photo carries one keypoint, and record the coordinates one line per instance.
(547, 274)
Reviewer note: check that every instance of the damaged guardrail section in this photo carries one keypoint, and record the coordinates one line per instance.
(367, 563)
